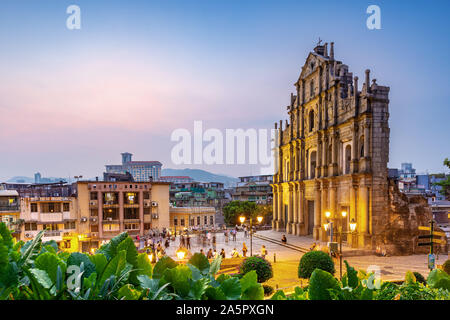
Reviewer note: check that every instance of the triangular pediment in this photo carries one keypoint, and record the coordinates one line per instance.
(311, 63)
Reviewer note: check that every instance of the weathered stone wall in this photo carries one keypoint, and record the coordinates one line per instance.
(398, 234)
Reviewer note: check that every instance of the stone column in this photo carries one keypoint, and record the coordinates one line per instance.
(275, 206)
(100, 214)
(332, 204)
(354, 162)
(334, 155)
(295, 209)
(141, 213)
(353, 210)
(366, 141)
(363, 218)
(301, 211)
(324, 207)
(279, 222)
(317, 212)
(324, 156)
(121, 211)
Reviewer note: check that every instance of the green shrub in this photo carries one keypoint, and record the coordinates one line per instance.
(420, 278)
(320, 283)
(262, 267)
(315, 260)
(268, 290)
(446, 266)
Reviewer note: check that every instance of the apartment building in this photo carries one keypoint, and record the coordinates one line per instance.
(107, 208)
(56, 215)
(10, 210)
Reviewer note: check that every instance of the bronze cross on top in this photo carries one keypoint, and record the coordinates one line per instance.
(319, 42)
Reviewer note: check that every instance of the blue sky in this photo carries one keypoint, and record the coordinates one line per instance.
(72, 101)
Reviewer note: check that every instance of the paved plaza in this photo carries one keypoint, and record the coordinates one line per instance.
(286, 265)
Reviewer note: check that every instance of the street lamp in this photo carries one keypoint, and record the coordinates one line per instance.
(259, 220)
(180, 254)
(340, 232)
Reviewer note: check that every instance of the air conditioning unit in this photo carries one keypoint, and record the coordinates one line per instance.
(28, 235)
(83, 219)
(93, 219)
(154, 204)
(92, 203)
(94, 234)
(109, 219)
(155, 216)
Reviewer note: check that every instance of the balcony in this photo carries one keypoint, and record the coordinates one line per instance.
(51, 217)
(10, 208)
(69, 216)
(52, 235)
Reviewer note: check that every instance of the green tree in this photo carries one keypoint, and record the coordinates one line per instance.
(234, 209)
(445, 184)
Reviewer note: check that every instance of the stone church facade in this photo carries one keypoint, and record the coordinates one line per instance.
(333, 153)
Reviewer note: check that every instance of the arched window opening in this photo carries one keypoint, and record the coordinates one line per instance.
(361, 143)
(311, 120)
(312, 165)
(348, 158)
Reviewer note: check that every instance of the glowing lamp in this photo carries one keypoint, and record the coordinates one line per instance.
(242, 219)
(327, 214)
(259, 219)
(344, 214)
(325, 226)
(180, 254)
(352, 225)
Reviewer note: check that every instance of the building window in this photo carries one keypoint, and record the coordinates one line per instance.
(348, 158)
(69, 225)
(175, 221)
(312, 165)
(211, 220)
(198, 221)
(34, 207)
(311, 88)
(50, 207)
(182, 222)
(205, 220)
(311, 120)
(66, 207)
(94, 196)
(30, 226)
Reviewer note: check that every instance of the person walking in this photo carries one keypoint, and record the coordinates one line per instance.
(284, 239)
(245, 232)
(209, 255)
(263, 251)
(244, 250)
(222, 253)
(188, 242)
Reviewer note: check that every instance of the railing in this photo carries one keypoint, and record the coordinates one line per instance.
(10, 208)
(52, 233)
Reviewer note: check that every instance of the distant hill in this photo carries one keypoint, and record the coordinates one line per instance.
(21, 179)
(201, 176)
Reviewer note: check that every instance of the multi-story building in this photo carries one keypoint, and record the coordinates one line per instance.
(191, 217)
(107, 208)
(140, 170)
(57, 215)
(255, 189)
(10, 210)
(333, 153)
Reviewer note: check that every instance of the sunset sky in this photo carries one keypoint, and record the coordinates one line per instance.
(72, 100)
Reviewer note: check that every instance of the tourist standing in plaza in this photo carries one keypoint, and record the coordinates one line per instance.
(244, 250)
(222, 253)
(263, 251)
